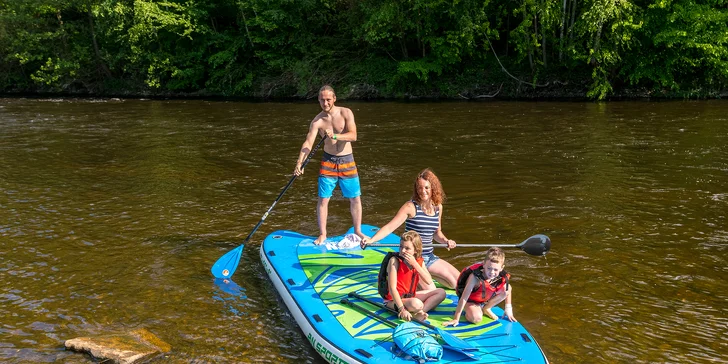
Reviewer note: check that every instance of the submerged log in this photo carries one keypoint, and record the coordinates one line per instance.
(132, 347)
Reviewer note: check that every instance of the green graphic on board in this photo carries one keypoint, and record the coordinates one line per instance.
(334, 274)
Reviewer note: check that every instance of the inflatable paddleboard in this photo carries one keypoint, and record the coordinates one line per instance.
(313, 280)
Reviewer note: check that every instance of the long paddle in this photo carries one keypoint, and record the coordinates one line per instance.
(228, 263)
(450, 339)
(381, 318)
(536, 245)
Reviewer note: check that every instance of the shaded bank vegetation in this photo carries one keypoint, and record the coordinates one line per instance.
(367, 48)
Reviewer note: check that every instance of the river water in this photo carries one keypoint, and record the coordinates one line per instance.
(113, 211)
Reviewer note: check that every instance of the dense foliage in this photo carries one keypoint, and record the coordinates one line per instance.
(370, 48)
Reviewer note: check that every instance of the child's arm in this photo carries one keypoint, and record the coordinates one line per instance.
(462, 301)
(500, 297)
(392, 284)
(508, 310)
(424, 274)
(422, 271)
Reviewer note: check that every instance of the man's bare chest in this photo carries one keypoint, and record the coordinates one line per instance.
(337, 123)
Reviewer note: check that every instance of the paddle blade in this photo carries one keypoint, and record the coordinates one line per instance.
(461, 352)
(454, 341)
(536, 245)
(227, 264)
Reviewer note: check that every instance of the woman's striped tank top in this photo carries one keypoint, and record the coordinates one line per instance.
(424, 225)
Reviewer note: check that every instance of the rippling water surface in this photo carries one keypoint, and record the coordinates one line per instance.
(113, 211)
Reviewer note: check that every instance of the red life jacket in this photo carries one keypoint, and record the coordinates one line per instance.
(485, 290)
(407, 278)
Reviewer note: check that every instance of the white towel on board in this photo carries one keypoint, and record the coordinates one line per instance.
(348, 242)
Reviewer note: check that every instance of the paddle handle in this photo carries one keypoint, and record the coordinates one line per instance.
(265, 216)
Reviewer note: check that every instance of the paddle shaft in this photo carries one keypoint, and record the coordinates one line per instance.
(374, 314)
(391, 310)
(265, 216)
(535, 245)
(445, 245)
(228, 263)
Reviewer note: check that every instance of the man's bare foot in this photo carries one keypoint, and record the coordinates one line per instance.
(422, 315)
(320, 240)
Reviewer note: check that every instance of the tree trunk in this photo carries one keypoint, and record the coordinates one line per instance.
(561, 37)
(508, 28)
(247, 31)
(99, 60)
(597, 38)
(535, 33)
(529, 45)
(543, 44)
(403, 48)
(63, 30)
(571, 25)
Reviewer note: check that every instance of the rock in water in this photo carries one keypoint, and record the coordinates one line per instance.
(126, 348)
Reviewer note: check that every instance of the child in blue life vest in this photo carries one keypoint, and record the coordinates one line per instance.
(403, 274)
(482, 286)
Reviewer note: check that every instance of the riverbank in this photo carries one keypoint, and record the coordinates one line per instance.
(551, 90)
(367, 50)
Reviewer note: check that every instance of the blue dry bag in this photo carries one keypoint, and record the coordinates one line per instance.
(411, 339)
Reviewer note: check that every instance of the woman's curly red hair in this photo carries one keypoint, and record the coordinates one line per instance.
(437, 194)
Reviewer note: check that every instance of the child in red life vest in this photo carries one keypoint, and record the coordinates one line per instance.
(403, 275)
(486, 287)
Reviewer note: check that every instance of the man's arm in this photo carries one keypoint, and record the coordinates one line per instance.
(306, 147)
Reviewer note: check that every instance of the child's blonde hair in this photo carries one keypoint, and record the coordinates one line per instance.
(495, 255)
(413, 237)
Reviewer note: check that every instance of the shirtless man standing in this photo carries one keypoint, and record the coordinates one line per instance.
(337, 164)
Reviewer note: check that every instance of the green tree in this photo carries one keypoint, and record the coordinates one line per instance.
(425, 37)
(684, 44)
(607, 27)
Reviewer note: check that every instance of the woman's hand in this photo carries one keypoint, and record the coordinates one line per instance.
(364, 242)
(450, 244)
